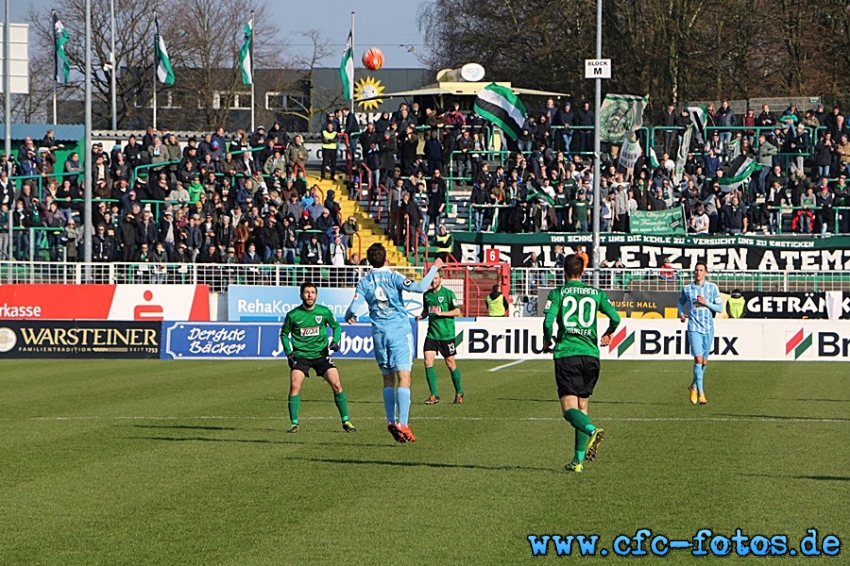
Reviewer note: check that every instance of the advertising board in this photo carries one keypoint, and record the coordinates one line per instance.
(105, 302)
(79, 339)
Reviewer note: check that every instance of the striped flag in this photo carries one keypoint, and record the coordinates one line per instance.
(502, 107)
(60, 58)
(346, 68)
(246, 63)
(164, 72)
(739, 172)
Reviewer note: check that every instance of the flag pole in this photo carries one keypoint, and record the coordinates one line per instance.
(7, 112)
(88, 214)
(55, 63)
(155, 40)
(251, 48)
(351, 102)
(595, 253)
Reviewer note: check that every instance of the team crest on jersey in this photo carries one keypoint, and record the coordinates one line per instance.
(408, 282)
(439, 299)
(318, 320)
(312, 331)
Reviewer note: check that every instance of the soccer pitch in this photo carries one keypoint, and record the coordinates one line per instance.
(183, 463)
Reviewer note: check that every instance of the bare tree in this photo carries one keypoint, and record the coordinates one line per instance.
(305, 108)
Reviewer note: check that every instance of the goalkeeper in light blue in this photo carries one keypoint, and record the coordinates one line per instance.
(382, 290)
(698, 303)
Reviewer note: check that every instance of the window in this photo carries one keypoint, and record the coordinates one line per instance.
(241, 100)
(281, 101)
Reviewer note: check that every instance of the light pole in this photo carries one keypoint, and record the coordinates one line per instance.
(114, 68)
(597, 150)
(87, 214)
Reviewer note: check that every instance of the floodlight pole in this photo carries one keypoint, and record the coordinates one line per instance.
(112, 62)
(7, 113)
(597, 151)
(87, 213)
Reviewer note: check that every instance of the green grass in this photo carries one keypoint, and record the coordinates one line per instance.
(179, 463)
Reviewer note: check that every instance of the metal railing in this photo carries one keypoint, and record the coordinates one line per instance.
(523, 281)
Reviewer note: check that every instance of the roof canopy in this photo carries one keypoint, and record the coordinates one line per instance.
(461, 89)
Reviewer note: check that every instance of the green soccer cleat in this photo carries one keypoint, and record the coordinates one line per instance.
(348, 427)
(574, 466)
(459, 399)
(432, 400)
(593, 444)
(293, 429)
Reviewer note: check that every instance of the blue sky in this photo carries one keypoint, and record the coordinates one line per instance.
(391, 26)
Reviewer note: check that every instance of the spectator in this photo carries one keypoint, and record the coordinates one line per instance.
(825, 214)
(436, 199)
(497, 304)
(349, 229)
(699, 222)
(804, 218)
(734, 217)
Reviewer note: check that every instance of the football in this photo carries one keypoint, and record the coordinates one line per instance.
(373, 59)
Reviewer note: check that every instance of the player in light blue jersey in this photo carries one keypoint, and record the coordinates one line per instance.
(698, 303)
(382, 290)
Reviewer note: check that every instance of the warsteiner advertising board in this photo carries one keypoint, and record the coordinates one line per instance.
(81, 339)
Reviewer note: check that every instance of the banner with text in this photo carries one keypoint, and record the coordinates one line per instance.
(80, 339)
(105, 302)
(832, 305)
(662, 339)
(658, 222)
(249, 303)
(721, 253)
(251, 340)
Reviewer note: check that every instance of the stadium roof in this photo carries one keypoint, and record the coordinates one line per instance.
(461, 88)
(62, 132)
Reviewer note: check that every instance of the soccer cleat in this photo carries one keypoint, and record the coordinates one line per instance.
(574, 466)
(348, 427)
(432, 400)
(293, 429)
(702, 399)
(396, 432)
(693, 392)
(406, 433)
(593, 444)
(459, 399)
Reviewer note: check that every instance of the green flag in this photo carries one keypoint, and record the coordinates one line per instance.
(60, 38)
(246, 62)
(164, 72)
(502, 107)
(346, 68)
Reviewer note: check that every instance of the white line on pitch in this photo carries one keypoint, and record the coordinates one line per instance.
(516, 363)
(531, 419)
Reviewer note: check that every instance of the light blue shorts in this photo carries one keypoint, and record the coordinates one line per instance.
(393, 350)
(701, 344)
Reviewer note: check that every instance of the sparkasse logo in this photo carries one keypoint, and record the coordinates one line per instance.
(798, 343)
(621, 341)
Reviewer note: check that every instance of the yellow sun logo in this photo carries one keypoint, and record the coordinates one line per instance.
(368, 88)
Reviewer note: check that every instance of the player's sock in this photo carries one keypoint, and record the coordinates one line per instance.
(581, 445)
(700, 374)
(697, 377)
(294, 407)
(579, 420)
(403, 405)
(431, 377)
(389, 403)
(456, 381)
(341, 405)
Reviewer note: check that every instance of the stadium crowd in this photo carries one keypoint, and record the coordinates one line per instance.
(244, 198)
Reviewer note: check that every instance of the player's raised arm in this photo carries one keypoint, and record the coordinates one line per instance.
(407, 284)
